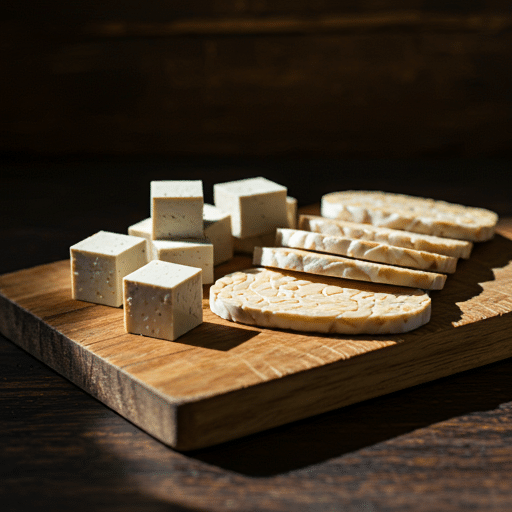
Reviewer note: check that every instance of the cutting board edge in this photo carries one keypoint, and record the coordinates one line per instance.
(192, 427)
(191, 424)
(109, 384)
(187, 424)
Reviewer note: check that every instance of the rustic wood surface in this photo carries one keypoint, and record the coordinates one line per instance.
(254, 77)
(443, 445)
(221, 380)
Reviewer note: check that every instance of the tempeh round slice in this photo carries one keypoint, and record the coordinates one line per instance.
(286, 300)
(364, 250)
(337, 266)
(408, 213)
(419, 242)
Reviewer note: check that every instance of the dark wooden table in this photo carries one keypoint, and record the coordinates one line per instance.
(445, 445)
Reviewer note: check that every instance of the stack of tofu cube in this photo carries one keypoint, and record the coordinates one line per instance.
(156, 272)
(184, 230)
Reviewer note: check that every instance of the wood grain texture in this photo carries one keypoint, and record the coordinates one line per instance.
(439, 446)
(422, 449)
(222, 381)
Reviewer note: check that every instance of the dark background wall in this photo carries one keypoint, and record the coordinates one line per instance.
(98, 98)
(367, 78)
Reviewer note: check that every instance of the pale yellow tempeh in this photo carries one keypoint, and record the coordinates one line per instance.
(365, 250)
(406, 239)
(338, 266)
(288, 300)
(408, 213)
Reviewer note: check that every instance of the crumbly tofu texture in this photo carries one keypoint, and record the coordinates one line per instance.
(177, 209)
(257, 206)
(100, 262)
(287, 300)
(163, 300)
(192, 252)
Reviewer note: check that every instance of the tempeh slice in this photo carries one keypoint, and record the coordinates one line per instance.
(287, 300)
(409, 213)
(338, 266)
(406, 239)
(364, 250)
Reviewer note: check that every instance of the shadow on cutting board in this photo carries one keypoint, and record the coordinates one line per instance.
(466, 282)
(312, 441)
(218, 337)
(304, 444)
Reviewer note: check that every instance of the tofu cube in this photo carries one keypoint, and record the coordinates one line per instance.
(247, 245)
(192, 252)
(163, 300)
(99, 263)
(217, 228)
(144, 229)
(177, 209)
(257, 206)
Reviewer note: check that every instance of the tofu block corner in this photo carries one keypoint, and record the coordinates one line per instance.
(100, 262)
(163, 300)
(257, 205)
(177, 209)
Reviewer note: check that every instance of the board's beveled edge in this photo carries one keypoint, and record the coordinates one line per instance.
(200, 423)
(108, 383)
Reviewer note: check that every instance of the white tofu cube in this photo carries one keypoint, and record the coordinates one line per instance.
(163, 300)
(257, 206)
(247, 245)
(217, 228)
(192, 252)
(177, 209)
(99, 263)
(144, 229)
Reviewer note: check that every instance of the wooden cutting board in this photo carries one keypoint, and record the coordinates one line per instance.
(223, 380)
